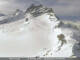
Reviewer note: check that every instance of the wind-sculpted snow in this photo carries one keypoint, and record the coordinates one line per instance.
(37, 32)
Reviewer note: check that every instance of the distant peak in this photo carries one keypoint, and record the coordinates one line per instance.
(17, 11)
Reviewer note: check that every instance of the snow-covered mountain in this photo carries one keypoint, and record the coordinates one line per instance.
(37, 32)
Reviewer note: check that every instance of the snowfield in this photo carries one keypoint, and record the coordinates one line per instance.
(38, 33)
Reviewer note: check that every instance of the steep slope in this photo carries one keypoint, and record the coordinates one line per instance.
(63, 36)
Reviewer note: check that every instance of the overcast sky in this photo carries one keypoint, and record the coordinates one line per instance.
(64, 9)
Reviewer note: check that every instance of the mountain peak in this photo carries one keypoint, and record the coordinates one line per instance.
(36, 10)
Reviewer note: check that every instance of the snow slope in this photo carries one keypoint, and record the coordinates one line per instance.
(37, 32)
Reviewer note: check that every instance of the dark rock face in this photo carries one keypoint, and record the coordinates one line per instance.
(36, 10)
(76, 50)
(61, 37)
